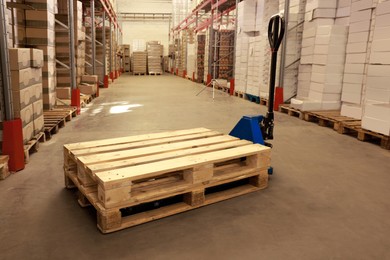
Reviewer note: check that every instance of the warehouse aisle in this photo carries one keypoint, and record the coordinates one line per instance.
(327, 199)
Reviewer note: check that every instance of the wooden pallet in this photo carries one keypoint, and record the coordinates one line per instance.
(253, 98)
(354, 128)
(328, 118)
(347, 125)
(33, 146)
(155, 73)
(287, 109)
(85, 100)
(56, 118)
(263, 101)
(191, 167)
(240, 94)
(139, 74)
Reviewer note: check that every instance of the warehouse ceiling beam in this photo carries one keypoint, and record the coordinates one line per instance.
(144, 16)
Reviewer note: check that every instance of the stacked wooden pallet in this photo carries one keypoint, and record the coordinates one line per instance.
(139, 62)
(136, 179)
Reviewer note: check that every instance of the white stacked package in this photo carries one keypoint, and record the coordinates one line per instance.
(247, 15)
(241, 66)
(294, 46)
(358, 52)
(376, 109)
(343, 12)
(322, 58)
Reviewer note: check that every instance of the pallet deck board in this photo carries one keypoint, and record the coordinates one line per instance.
(118, 173)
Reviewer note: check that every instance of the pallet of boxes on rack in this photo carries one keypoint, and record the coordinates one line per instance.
(40, 34)
(155, 53)
(200, 46)
(26, 79)
(191, 55)
(62, 49)
(225, 49)
(126, 57)
(182, 65)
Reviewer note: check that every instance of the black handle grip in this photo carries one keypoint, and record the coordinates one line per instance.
(276, 29)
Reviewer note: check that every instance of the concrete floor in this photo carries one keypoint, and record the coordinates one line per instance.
(328, 199)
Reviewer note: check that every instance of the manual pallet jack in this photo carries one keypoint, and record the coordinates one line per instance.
(259, 128)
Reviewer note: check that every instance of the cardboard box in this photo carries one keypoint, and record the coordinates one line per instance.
(19, 58)
(351, 110)
(25, 114)
(378, 70)
(36, 58)
(49, 53)
(37, 36)
(37, 109)
(38, 125)
(380, 58)
(353, 78)
(44, 5)
(40, 19)
(4, 170)
(376, 125)
(356, 58)
(381, 45)
(354, 68)
(90, 79)
(357, 47)
(327, 78)
(383, 8)
(37, 92)
(21, 79)
(377, 95)
(49, 100)
(382, 20)
(22, 98)
(49, 84)
(378, 82)
(361, 5)
(36, 76)
(328, 88)
(361, 16)
(328, 69)
(320, 96)
(63, 93)
(28, 132)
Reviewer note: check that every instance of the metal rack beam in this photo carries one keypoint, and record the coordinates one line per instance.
(5, 70)
(72, 63)
(93, 37)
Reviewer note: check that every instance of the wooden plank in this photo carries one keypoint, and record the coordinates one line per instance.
(168, 155)
(127, 139)
(108, 179)
(148, 143)
(138, 151)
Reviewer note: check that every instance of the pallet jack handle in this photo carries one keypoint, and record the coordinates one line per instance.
(276, 28)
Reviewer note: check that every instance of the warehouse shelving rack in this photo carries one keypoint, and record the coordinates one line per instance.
(206, 15)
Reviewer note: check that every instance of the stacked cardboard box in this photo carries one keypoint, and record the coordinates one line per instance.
(191, 60)
(294, 46)
(182, 65)
(126, 57)
(200, 45)
(89, 84)
(322, 58)
(26, 78)
(155, 53)
(62, 47)
(358, 52)
(225, 53)
(40, 34)
(376, 109)
(138, 60)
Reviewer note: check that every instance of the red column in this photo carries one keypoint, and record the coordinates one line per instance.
(208, 80)
(278, 98)
(97, 89)
(193, 76)
(13, 144)
(105, 81)
(231, 92)
(75, 101)
(184, 73)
